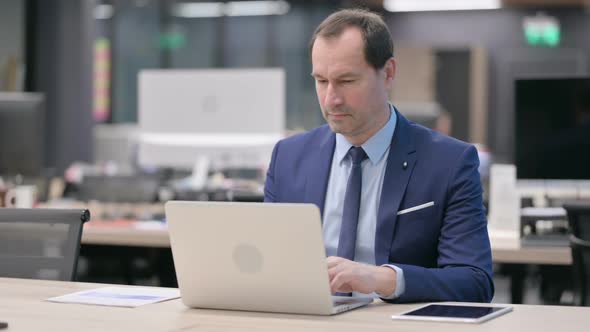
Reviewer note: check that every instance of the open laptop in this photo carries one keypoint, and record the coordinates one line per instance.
(252, 256)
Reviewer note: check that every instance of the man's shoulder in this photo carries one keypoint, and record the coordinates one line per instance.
(303, 139)
(432, 139)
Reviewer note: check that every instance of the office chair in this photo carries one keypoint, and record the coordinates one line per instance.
(579, 222)
(40, 243)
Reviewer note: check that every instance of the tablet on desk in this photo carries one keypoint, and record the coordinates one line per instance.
(461, 313)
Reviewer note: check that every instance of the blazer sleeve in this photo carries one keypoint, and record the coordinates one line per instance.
(270, 185)
(464, 271)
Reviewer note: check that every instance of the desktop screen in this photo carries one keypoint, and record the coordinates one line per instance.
(21, 133)
(553, 128)
(232, 117)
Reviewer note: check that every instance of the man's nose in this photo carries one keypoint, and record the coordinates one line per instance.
(332, 98)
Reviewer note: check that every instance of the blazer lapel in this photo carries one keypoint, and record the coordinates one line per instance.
(319, 172)
(400, 164)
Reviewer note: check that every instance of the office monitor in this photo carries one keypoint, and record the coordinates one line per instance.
(21, 133)
(231, 117)
(553, 128)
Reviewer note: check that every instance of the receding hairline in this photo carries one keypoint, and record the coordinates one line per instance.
(369, 24)
(336, 36)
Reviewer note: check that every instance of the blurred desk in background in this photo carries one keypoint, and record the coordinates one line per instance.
(122, 241)
(126, 232)
(554, 262)
(515, 253)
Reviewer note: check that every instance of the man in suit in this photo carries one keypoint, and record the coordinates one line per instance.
(402, 213)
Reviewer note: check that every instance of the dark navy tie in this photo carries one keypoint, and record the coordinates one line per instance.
(352, 203)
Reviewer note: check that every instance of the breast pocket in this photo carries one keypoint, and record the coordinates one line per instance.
(416, 210)
(416, 234)
(420, 217)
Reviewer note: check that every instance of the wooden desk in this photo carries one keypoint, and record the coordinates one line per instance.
(532, 255)
(22, 305)
(509, 250)
(138, 234)
(128, 233)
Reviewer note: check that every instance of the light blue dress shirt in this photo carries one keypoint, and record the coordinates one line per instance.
(373, 169)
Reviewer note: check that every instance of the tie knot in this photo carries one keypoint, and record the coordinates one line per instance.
(357, 154)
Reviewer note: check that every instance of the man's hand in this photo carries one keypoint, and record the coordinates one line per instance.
(347, 276)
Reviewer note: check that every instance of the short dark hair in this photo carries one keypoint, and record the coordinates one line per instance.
(376, 36)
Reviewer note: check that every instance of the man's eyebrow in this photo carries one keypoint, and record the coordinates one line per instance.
(340, 76)
(347, 75)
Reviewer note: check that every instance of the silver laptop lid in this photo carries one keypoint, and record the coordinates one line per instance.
(250, 256)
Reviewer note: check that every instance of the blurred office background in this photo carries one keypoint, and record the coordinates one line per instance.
(466, 68)
(85, 57)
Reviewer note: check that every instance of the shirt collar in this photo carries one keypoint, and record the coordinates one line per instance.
(375, 146)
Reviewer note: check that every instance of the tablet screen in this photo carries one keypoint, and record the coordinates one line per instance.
(453, 311)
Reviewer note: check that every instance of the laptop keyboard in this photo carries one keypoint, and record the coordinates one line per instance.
(341, 301)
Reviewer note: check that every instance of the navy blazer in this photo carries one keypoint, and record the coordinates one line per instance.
(444, 250)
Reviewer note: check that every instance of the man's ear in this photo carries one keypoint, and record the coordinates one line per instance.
(390, 69)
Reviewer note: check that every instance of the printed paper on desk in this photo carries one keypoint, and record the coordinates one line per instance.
(119, 296)
(150, 225)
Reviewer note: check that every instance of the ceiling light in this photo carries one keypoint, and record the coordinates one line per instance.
(438, 5)
(198, 9)
(256, 8)
(232, 8)
(103, 12)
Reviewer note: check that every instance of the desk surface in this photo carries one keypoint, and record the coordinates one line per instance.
(22, 305)
(126, 233)
(532, 255)
(150, 234)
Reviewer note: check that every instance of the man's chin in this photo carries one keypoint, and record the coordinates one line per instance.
(337, 128)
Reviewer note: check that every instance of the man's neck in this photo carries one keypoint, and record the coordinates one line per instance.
(361, 139)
